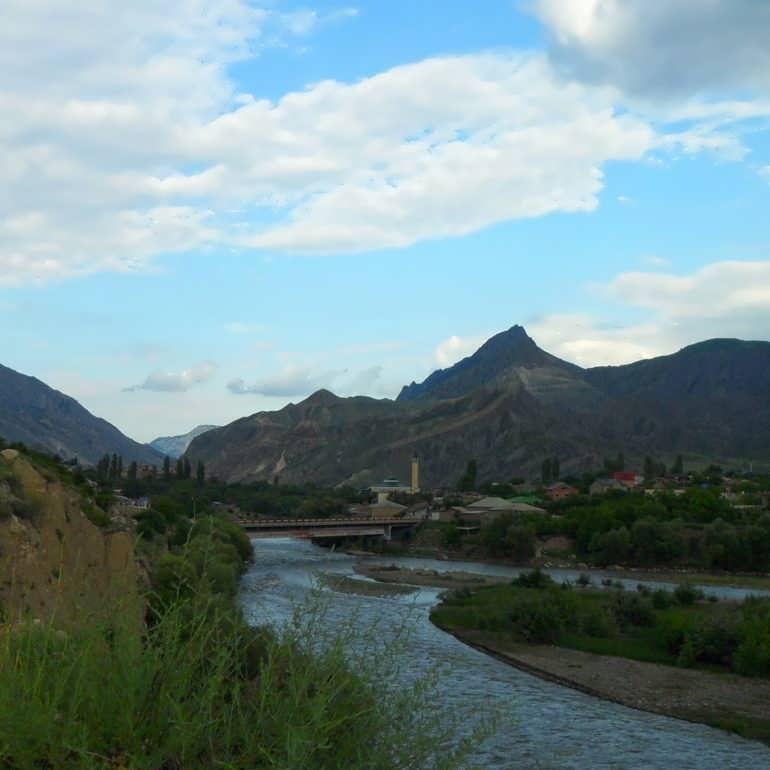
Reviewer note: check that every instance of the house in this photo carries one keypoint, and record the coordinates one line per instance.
(560, 491)
(492, 507)
(602, 486)
(382, 509)
(628, 478)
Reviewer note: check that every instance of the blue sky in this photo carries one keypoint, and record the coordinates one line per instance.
(217, 207)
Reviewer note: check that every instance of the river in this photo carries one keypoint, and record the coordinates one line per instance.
(544, 725)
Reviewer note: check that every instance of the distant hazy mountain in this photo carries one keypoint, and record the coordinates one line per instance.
(509, 406)
(176, 446)
(46, 419)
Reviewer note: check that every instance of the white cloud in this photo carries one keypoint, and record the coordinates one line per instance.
(134, 142)
(454, 348)
(673, 48)
(177, 382)
(300, 381)
(291, 381)
(723, 299)
(120, 146)
(301, 22)
(439, 148)
(765, 172)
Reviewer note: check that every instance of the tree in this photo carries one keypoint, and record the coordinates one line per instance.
(133, 471)
(555, 469)
(166, 468)
(546, 471)
(200, 472)
(520, 541)
(649, 468)
(114, 467)
(678, 467)
(186, 468)
(103, 469)
(467, 482)
(179, 469)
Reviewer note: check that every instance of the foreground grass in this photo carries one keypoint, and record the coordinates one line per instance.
(200, 691)
(198, 688)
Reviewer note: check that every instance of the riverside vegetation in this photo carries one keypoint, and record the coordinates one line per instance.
(193, 685)
(680, 628)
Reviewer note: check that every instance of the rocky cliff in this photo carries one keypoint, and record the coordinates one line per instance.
(54, 562)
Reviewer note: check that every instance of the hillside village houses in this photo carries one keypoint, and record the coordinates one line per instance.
(560, 491)
(485, 509)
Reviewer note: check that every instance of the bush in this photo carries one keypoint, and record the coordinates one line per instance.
(686, 594)
(534, 579)
(598, 623)
(752, 656)
(536, 618)
(632, 609)
(717, 637)
(661, 599)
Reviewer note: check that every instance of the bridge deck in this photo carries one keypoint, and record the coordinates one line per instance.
(326, 528)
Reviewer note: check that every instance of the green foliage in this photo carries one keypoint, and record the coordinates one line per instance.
(506, 535)
(650, 626)
(536, 578)
(686, 594)
(95, 515)
(201, 690)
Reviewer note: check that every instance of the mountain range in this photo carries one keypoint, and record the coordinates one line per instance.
(43, 418)
(509, 406)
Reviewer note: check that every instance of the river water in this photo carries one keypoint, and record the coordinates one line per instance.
(543, 725)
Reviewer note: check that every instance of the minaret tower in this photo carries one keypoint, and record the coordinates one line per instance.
(415, 474)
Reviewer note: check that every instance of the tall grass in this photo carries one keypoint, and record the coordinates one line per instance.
(198, 688)
(201, 690)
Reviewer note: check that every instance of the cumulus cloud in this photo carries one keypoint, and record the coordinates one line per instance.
(135, 142)
(662, 49)
(455, 348)
(177, 382)
(299, 381)
(723, 299)
(291, 381)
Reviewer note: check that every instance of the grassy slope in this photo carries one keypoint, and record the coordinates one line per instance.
(197, 687)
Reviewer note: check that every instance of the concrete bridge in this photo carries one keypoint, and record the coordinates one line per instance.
(315, 529)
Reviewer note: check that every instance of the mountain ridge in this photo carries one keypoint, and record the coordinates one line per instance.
(510, 405)
(41, 417)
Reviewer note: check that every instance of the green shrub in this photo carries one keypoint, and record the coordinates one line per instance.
(717, 637)
(661, 599)
(632, 609)
(533, 579)
(598, 623)
(752, 656)
(686, 594)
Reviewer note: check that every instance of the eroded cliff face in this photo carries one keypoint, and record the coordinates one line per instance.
(54, 562)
